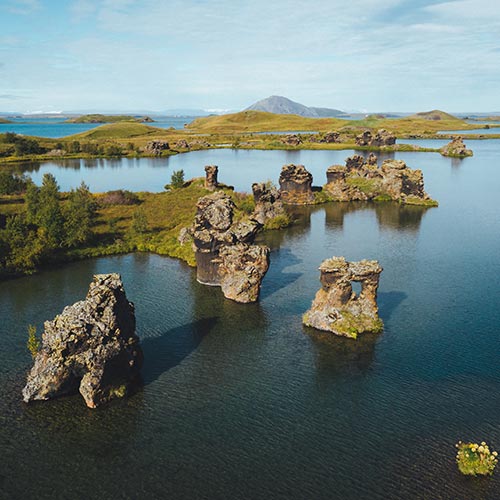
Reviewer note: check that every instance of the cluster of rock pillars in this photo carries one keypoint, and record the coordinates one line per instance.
(92, 346)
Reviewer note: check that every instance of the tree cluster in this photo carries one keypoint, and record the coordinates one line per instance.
(47, 227)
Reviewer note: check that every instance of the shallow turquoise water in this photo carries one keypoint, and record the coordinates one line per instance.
(240, 401)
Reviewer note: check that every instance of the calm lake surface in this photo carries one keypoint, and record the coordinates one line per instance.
(242, 402)
(55, 127)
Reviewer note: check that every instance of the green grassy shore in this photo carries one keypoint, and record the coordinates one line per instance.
(240, 130)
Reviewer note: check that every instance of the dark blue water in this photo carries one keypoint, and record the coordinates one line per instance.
(241, 402)
(55, 127)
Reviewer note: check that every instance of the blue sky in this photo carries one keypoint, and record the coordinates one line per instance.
(370, 55)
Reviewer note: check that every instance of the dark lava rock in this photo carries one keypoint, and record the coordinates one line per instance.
(296, 185)
(91, 347)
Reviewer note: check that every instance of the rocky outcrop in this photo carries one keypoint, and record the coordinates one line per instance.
(91, 347)
(241, 271)
(456, 148)
(296, 185)
(156, 147)
(268, 203)
(336, 308)
(379, 139)
(362, 180)
(211, 172)
(291, 140)
(331, 137)
(223, 247)
(182, 144)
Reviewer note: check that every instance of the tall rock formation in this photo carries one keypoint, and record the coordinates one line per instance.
(91, 347)
(224, 255)
(336, 308)
(211, 172)
(296, 185)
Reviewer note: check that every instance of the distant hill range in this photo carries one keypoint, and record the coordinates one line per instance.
(434, 115)
(283, 106)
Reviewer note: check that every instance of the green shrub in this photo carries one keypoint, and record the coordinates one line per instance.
(278, 222)
(177, 179)
(476, 459)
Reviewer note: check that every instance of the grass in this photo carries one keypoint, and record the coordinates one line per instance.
(120, 130)
(99, 118)
(163, 216)
(370, 187)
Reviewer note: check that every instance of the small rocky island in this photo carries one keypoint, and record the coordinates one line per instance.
(224, 254)
(456, 148)
(91, 347)
(361, 179)
(336, 308)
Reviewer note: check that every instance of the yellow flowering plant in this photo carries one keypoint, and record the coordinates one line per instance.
(476, 459)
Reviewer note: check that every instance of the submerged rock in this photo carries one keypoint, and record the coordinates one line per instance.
(362, 180)
(268, 203)
(456, 148)
(380, 138)
(91, 347)
(336, 308)
(211, 172)
(296, 185)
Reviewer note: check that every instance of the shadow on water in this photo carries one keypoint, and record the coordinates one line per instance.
(388, 302)
(276, 277)
(338, 356)
(168, 350)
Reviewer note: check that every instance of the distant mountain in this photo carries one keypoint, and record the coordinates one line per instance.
(283, 106)
(434, 115)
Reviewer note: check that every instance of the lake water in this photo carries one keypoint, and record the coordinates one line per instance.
(55, 127)
(480, 131)
(242, 402)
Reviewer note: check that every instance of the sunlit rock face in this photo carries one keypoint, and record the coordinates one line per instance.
(296, 185)
(211, 172)
(456, 148)
(336, 308)
(268, 203)
(223, 250)
(379, 139)
(362, 180)
(91, 347)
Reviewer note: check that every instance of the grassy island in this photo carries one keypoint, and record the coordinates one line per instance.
(98, 118)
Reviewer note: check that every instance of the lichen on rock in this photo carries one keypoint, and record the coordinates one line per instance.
(91, 347)
(362, 180)
(336, 308)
